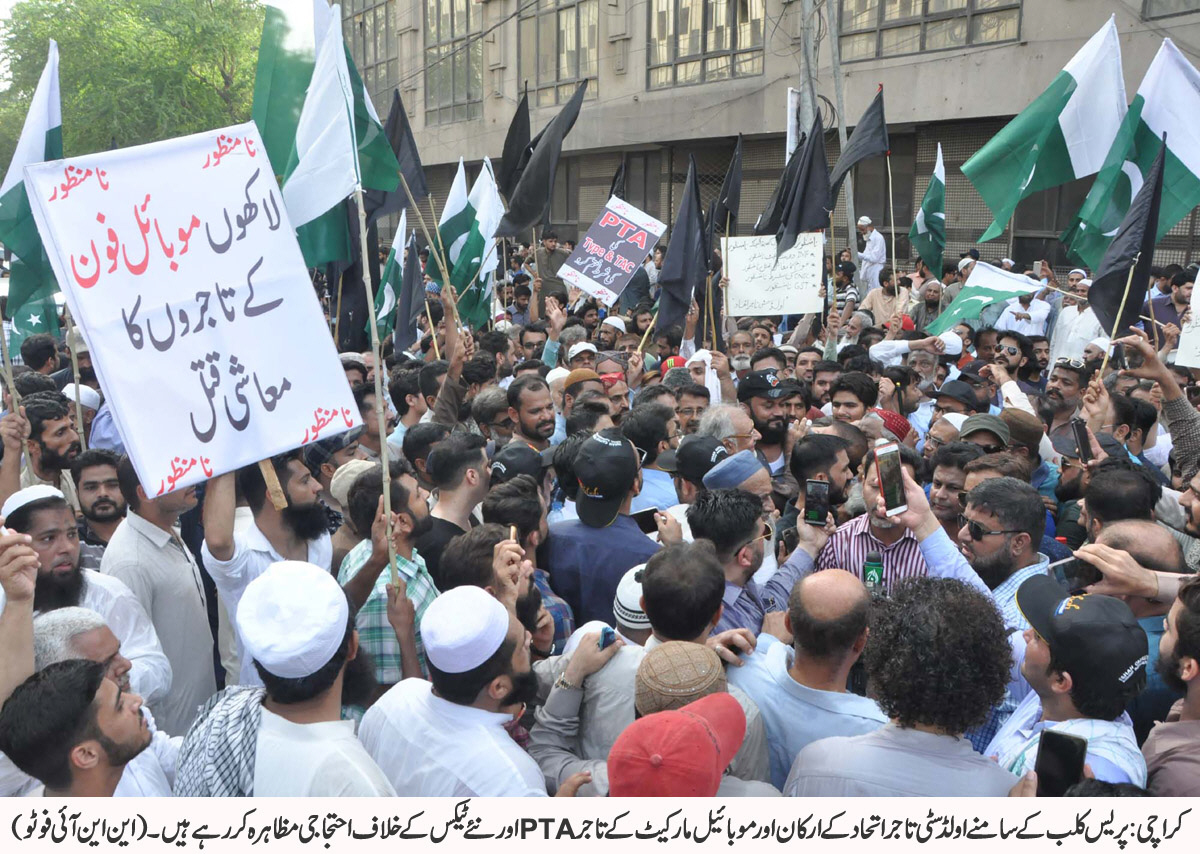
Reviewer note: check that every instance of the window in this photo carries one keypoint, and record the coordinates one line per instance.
(1042, 217)
(698, 41)
(369, 32)
(453, 61)
(564, 206)
(871, 192)
(643, 181)
(558, 47)
(1163, 8)
(878, 28)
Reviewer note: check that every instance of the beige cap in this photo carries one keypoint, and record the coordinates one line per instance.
(344, 477)
(675, 674)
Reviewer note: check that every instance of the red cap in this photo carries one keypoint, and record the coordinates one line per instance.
(671, 362)
(906, 323)
(679, 754)
(895, 422)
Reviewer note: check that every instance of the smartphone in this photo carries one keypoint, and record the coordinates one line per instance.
(1059, 763)
(891, 485)
(816, 502)
(645, 520)
(1074, 574)
(1082, 440)
(607, 638)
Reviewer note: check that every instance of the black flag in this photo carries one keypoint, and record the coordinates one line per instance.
(769, 220)
(529, 203)
(870, 139)
(617, 187)
(684, 267)
(516, 147)
(378, 203)
(806, 204)
(410, 303)
(730, 197)
(1133, 247)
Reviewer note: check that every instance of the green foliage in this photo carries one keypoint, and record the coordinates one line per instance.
(132, 71)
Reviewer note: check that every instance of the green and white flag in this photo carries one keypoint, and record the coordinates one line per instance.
(477, 257)
(928, 234)
(389, 281)
(455, 223)
(1063, 135)
(1168, 101)
(986, 285)
(32, 285)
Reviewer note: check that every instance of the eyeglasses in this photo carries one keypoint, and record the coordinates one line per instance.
(506, 424)
(1064, 362)
(990, 449)
(977, 531)
(768, 531)
(690, 411)
(1012, 351)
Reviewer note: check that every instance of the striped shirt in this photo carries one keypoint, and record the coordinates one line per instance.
(557, 607)
(849, 292)
(848, 548)
(375, 633)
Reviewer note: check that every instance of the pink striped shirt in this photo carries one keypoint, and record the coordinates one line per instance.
(848, 547)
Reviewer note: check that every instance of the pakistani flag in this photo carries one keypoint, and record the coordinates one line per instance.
(1168, 101)
(1063, 135)
(287, 53)
(389, 282)
(987, 285)
(32, 285)
(928, 234)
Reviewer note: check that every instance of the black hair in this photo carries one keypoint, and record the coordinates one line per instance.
(401, 386)
(850, 351)
(673, 334)
(728, 517)
(47, 715)
(586, 412)
(362, 498)
(494, 342)
(1004, 463)
(127, 478)
(826, 639)
(1124, 411)
(514, 502)
(682, 588)
(1145, 417)
(1015, 503)
(825, 366)
(355, 365)
(252, 485)
(1090, 787)
(564, 463)
(535, 326)
(41, 408)
(361, 392)
(650, 394)
(38, 349)
(693, 390)
(938, 654)
(522, 290)
(537, 365)
(769, 353)
(420, 438)
(858, 384)
(528, 383)
(31, 382)
(815, 454)
(479, 369)
(646, 427)
(91, 458)
(448, 462)
(467, 558)
(1121, 489)
(463, 688)
(986, 330)
(428, 378)
(901, 375)
(955, 455)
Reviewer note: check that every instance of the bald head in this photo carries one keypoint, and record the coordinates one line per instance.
(1149, 543)
(828, 614)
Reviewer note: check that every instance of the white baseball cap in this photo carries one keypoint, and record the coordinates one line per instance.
(581, 347)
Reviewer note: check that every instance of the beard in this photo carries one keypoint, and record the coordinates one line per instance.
(358, 680)
(104, 510)
(993, 568)
(524, 689)
(120, 755)
(52, 591)
(464, 411)
(307, 522)
(1167, 667)
(1072, 491)
(539, 429)
(421, 526)
(528, 607)
(54, 461)
(773, 432)
(740, 363)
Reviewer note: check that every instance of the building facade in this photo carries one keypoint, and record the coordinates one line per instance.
(669, 79)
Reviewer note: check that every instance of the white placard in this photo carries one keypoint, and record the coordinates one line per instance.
(611, 252)
(760, 286)
(1188, 353)
(179, 264)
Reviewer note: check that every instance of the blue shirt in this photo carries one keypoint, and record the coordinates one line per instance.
(744, 608)
(1045, 478)
(586, 564)
(1152, 705)
(557, 608)
(104, 431)
(396, 437)
(794, 714)
(658, 490)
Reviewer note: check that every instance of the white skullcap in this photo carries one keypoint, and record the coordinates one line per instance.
(1079, 271)
(953, 343)
(581, 347)
(292, 619)
(956, 419)
(344, 477)
(28, 495)
(557, 374)
(615, 322)
(1102, 342)
(627, 606)
(503, 325)
(83, 395)
(463, 628)
(1085, 283)
(1007, 261)
(964, 262)
(864, 220)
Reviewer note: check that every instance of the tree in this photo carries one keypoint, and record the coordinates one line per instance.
(132, 71)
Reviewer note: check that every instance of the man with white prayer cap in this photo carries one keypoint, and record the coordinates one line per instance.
(88, 398)
(296, 625)
(874, 253)
(447, 737)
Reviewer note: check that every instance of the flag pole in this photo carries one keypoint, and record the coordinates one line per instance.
(649, 329)
(1150, 303)
(373, 326)
(1120, 311)
(8, 374)
(337, 316)
(71, 347)
(892, 219)
(724, 261)
(437, 256)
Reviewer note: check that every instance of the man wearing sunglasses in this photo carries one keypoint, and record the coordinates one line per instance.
(1064, 394)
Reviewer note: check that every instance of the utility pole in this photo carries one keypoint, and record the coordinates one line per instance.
(839, 94)
(808, 89)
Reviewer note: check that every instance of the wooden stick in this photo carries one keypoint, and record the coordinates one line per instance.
(1120, 311)
(71, 347)
(274, 487)
(379, 369)
(1150, 303)
(892, 219)
(337, 316)
(8, 374)
(724, 269)
(649, 329)
(433, 244)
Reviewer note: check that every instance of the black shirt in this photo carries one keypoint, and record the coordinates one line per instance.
(431, 545)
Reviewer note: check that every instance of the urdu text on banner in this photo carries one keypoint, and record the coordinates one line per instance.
(760, 285)
(179, 263)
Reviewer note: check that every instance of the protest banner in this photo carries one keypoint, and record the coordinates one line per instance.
(1188, 353)
(758, 285)
(615, 245)
(179, 264)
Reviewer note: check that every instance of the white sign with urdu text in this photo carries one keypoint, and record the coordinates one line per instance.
(180, 266)
(760, 286)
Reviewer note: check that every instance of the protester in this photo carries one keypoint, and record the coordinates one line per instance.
(458, 471)
(100, 503)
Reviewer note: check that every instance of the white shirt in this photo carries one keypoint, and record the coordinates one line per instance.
(150, 675)
(872, 258)
(252, 554)
(320, 760)
(430, 747)
(1072, 332)
(1038, 311)
(161, 573)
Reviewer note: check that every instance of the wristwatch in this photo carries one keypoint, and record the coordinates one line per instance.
(563, 682)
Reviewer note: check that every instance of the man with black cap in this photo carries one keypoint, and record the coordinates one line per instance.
(955, 396)
(688, 464)
(589, 555)
(1085, 658)
(518, 458)
(324, 457)
(761, 394)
